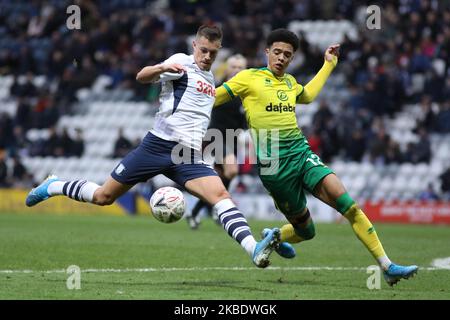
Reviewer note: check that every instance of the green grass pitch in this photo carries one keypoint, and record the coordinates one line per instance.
(141, 258)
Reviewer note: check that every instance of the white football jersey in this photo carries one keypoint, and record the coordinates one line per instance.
(186, 101)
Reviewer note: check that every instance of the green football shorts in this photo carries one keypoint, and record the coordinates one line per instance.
(287, 178)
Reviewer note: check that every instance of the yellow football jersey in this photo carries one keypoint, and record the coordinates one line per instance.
(269, 104)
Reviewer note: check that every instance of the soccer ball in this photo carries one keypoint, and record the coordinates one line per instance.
(167, 204)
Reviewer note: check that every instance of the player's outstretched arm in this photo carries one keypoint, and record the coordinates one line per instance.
(312, 89)
(151, 73)
(238, 86)
(222, 96)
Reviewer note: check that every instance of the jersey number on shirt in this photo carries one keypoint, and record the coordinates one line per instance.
(206, 88)
(315, 160)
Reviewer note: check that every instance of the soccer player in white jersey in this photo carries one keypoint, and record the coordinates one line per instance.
(187, 98)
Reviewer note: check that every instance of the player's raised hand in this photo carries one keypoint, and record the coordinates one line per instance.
(174, 67)
(332, 53)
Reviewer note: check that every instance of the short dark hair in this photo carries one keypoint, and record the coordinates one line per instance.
(210, 32)
(283, 35)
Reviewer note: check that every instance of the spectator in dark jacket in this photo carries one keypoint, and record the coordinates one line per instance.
(122, 145)
(3, 170)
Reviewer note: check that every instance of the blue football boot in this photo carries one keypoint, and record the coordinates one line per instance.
(265, 247)
(284, 249)
(395, 273)
(40, 193)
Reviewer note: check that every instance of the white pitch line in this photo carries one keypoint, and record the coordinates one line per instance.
(196, 269)
(442, 263)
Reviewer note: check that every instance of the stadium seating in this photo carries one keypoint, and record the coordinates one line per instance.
(322, 33)
(101, 112)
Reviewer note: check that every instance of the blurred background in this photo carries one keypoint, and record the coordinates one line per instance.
(70, 104)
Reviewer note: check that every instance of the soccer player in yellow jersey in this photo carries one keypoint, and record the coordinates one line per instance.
(287, 166)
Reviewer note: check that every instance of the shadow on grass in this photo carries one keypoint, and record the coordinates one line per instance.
(178, 285)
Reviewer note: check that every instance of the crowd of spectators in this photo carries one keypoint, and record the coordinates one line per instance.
(406, 62)
(15, 174)
(359, 143)
(58, 144)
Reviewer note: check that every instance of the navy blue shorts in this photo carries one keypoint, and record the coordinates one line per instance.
(154, 156)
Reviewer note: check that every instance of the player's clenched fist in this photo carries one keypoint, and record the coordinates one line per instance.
(332, 53)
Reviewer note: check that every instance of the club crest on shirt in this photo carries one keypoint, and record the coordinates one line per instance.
(282, 95)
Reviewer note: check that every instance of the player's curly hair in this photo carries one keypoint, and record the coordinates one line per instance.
(283, 35)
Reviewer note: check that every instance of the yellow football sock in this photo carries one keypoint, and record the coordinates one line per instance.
(366, 233)
(288, 234)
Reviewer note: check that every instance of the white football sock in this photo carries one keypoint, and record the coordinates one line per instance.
(56, 188)
(384, 262)
(80, 190)
(235, 224)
